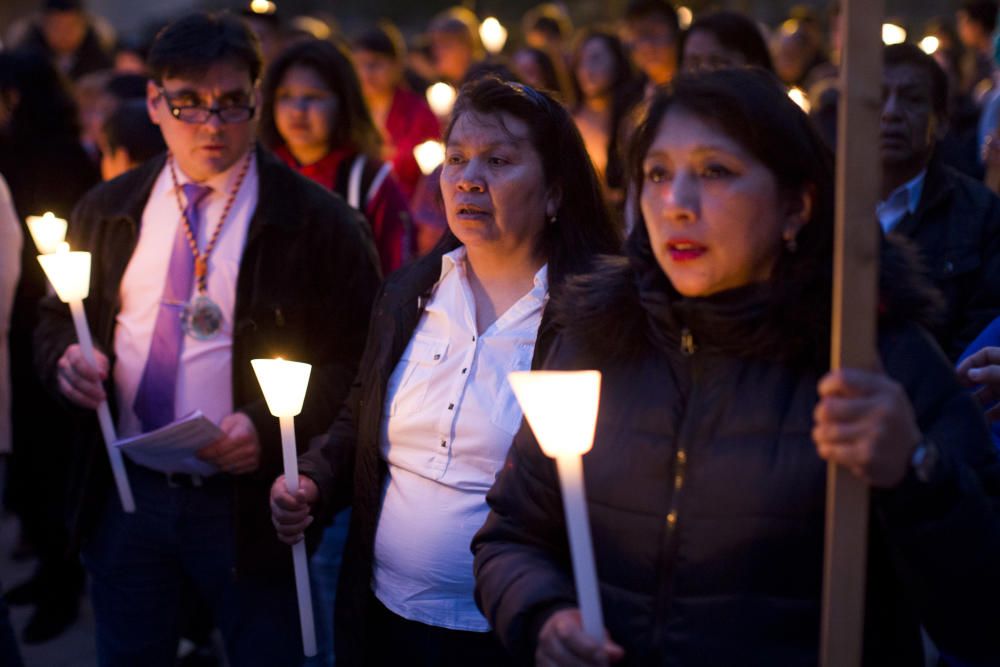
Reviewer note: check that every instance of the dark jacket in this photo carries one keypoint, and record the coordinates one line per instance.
(957, 228)
(706, 494)
(306, 282)
(347, 466)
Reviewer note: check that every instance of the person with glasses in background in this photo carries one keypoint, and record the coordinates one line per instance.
(205, 257)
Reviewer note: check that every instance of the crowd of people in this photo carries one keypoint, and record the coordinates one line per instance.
(652, 198)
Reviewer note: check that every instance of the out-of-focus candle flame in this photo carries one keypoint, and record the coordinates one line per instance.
(684, 17)
(429, 155)
(799, 96)
(441, 97)
(263, 7)
(493, 34)
(930, 44)
(893, 34)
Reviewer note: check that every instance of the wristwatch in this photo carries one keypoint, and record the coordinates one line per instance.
(924, 460)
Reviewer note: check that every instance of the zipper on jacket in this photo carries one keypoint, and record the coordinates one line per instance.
(680, 468)
(687, 342)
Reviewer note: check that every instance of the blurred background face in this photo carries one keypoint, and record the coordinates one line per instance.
(64, 30)
(304, 111)
(379, 74)
(653, 45)
(595, 70)
(702, 51)
(452, 55)
(527, 68)
(713, 211)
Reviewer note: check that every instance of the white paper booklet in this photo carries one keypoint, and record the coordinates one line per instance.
(171, 448)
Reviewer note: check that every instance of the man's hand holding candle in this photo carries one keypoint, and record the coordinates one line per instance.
(79, 381)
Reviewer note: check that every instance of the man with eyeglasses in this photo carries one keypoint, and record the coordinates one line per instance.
(203, 258)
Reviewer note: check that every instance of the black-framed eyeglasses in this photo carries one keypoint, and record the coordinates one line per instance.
(196, 115)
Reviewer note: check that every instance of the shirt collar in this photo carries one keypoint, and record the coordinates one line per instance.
(457, 257)
(912, 190)
(220, 183)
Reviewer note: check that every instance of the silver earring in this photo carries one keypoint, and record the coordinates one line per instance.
(552, 220)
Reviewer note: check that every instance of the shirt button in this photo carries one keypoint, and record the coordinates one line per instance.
(464, 371)
(451, 406)
(444, 443)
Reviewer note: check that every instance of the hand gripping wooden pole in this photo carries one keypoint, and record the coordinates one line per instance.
(853, 341)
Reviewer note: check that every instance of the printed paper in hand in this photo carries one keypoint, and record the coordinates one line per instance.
(171, 448)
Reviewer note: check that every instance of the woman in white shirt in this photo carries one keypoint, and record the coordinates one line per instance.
(431, 416)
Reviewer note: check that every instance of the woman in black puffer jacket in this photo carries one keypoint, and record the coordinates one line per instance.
(706, 483)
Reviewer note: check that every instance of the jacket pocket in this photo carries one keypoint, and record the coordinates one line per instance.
(506, 410)
(413, 374)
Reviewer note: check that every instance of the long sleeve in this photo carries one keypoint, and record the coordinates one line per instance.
(11, 239)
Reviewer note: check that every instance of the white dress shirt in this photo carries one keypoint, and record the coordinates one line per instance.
(900, 201)
(448, 421)
(204, 379)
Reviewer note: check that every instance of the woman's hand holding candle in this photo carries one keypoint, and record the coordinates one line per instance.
(563, 641)
(291, 513)
(79, 381)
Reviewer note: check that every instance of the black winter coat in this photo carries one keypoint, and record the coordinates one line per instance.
(307, 279)
(706, 494)
(347, 465)
(957, 229)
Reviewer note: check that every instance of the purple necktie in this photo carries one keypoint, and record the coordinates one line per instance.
(154, 400)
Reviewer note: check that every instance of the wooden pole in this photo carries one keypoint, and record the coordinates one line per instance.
(853, 342)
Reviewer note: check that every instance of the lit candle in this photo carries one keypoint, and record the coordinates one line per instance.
(930, 44)
(893, 34)
(561, 408)
(799, 96)
(284, 386)
(493, 34)
(48, 232)
(69, 273)
(263, 7)
(429, 155)
(441, 97)
(684, 17)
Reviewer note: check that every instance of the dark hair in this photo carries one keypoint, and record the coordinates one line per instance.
(126, 86)
(383, 39)
(129, 127)
(45, 111)
(190, 45)
(625, 93)
(983, 12)
(910, 54)
(657, 10)
(556, 80)
(354, 127)
(548, 18)
(583, 227)
(734, 32)
(751, 107)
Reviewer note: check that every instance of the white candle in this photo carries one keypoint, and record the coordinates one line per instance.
(441, 97)
(493, 35)
(429, 155)
(47, 231)
(284, 385)
(561, 408)
(69, 273)
(799, 96)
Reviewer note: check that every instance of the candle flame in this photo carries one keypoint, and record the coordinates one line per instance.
(893, 34)
(263, 7)
(441, 97)
(930, 44)
(684, 17)
(493, 34)
(429, 155)
(799, 96)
